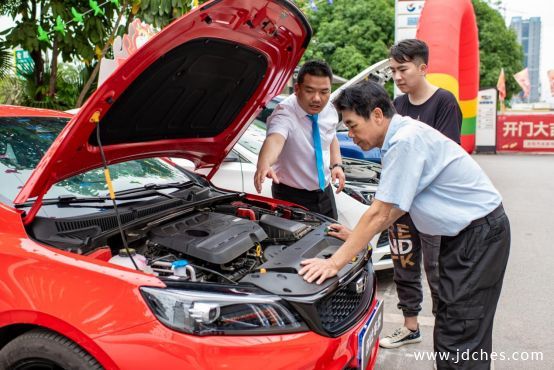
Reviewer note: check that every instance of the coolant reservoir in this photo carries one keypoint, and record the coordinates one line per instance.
(123, 259)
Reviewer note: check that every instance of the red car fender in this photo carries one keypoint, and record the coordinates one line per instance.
(61, 327)
(79, 297)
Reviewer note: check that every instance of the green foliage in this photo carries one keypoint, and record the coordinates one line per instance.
(350, 35)
(21, 90)
(160, 13)
(69, 82)
(11, 90)
(498, 49)
(5, 61)
(80, 42)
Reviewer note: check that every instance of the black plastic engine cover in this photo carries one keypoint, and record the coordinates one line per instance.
(280, 272)
(212, 237)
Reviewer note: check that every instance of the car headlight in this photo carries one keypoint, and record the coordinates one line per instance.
(207, 313)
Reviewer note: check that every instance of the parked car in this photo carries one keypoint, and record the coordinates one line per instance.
(156, 268)
(379, 72)
(362, 177)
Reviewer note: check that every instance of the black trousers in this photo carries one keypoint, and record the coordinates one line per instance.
(471, 271)
(408, 248)
(320, 201)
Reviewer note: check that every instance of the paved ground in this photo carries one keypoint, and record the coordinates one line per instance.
(524, 318)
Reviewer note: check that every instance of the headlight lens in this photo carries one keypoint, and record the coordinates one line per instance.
(205, 313)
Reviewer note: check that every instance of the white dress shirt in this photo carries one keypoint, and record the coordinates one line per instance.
(296, 165)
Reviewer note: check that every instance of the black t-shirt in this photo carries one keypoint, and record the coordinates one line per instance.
(441, 111)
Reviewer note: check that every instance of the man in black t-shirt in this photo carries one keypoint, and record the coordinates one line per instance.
(439, 109)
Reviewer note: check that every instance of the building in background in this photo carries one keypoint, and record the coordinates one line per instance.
(528, 33)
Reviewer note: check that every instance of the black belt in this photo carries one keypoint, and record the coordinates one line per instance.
(296, 190)
(499, 211)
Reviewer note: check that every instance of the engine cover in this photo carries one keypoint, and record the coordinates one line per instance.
(212, 237)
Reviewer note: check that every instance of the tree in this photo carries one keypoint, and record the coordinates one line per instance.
(350, 35)
(5, 62)
(81, 42)
(498, 48)
(160, 13)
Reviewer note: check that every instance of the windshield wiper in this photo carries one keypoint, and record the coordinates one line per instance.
(152, 188)
(147, 190)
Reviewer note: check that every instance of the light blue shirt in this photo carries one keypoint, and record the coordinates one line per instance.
(433, 178)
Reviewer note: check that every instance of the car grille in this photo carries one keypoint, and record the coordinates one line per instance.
(337, 308)
(342, 308)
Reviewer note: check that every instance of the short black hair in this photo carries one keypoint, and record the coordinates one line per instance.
(315, 68)
(410, 50)
(362, 98)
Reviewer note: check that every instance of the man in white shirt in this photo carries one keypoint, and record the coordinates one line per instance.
(301, 153)
(446, 193)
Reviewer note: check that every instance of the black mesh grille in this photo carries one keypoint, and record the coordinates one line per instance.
(343, 307)
(336, 309)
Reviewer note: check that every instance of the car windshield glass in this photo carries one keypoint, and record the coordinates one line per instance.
(254, 137)
(125, 176)
(23, 142)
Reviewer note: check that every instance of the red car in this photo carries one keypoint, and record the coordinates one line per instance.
(148, 266)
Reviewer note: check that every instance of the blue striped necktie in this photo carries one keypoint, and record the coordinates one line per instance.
(318, 150)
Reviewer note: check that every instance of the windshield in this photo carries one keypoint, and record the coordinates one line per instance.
(126, 175)
(254, 137)
(24, 140)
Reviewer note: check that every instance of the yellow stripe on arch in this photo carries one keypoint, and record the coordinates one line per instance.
(469, 108)
(445, 81)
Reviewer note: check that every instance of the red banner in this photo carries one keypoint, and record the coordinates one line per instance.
(525, 133)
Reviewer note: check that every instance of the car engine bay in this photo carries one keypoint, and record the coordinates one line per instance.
(199, 234)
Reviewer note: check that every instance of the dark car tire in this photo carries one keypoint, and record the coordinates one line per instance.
(43, 349)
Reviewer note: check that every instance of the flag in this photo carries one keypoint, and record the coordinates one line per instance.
(501, 85)
(522, 78)
(550, 74)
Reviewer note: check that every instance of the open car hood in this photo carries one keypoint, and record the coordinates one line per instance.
(189, 92)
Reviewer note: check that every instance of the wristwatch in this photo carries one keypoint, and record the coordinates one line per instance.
(337, 165)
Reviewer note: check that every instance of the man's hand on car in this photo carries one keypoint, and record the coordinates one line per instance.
(318, 268)
(339, 231)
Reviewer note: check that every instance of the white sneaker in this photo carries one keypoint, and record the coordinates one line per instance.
(400, 337)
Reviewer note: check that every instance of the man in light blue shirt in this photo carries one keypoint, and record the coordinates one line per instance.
(446, 193)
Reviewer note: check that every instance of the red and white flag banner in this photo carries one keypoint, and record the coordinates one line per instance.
(522, 78)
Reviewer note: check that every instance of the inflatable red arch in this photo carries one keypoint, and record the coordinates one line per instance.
(450, 30)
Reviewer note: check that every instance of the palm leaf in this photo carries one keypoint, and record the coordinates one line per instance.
(5, 62)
